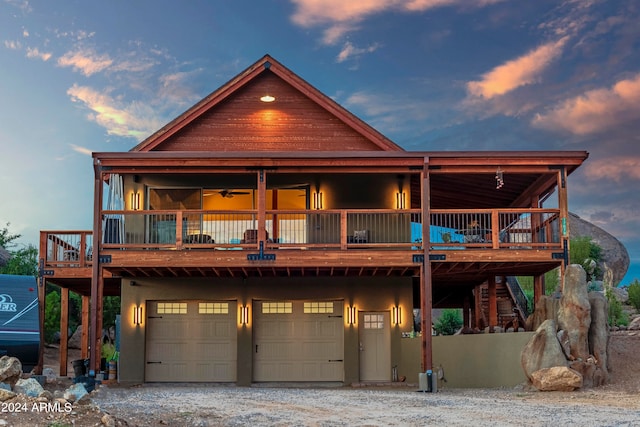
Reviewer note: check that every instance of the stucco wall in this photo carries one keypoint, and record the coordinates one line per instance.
(367, 294)
(471, 361)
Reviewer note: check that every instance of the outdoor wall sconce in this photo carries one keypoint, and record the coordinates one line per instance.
(396, 315)
(135, 201)
(244, 315)
(352, 315)
(137, 315)
(400, 200)
(317, 200)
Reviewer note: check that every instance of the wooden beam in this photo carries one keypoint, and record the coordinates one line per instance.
(426, 291)
(64, 331)
(538, 287)
(84, 341)
(563, 205)
(493, 302)
(96, 273)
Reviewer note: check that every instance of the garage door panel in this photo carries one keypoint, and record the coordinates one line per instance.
(191, 344)
(299, 346)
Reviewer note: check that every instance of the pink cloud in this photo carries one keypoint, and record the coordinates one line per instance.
(87, 62)
(517, 72)
(617, 169)
(341, 16)
(596, 110)
(136, 120)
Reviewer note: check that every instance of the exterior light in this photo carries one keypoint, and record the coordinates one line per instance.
(317, 200)
(396, 315)
(352, 315)
(135, 201)
(137, 315)
(244, 315)
(400, 200)
(267, 98)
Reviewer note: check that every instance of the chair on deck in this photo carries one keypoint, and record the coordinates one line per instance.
(506, 314)
(251, 236)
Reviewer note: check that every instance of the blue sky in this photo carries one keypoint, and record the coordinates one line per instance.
(84, 76)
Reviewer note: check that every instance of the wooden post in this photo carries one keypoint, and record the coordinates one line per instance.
(84, 342)
(262, 204)
(478, 308)
(538, 288)
(41, 301)
(466, 306)
(563, 205)
(96, 270)
(493, 302)
(64, 330)
(425, 274)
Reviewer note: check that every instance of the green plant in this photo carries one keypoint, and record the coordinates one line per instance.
(52, 315)
(583, 250)
(616, 317)
(634, 294)
(449, 322)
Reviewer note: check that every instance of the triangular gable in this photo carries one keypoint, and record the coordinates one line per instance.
(300, 119)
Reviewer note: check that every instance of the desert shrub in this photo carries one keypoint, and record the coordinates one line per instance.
(634, 294)
(449, 322)
(617, 317)
(583, 249)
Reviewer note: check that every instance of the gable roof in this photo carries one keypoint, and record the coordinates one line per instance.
(225, 120)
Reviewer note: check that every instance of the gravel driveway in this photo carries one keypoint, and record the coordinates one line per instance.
(206, 405)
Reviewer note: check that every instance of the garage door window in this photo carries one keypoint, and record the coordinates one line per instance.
(172, 308)
(213, 308)
(279, 307)
(318, 307)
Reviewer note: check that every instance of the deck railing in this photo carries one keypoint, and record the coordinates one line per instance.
(68, 248)
(310, 229)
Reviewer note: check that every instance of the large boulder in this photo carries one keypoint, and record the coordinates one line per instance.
(599, 334)
(558, 378)
(574, 315)
(543, 350)
(10, 369)
(614, 254)
(75, 341)
(546, 308)
(29, 387)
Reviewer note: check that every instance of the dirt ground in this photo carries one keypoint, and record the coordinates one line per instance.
(622, 392)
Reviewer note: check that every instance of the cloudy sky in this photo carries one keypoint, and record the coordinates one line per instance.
(83, 76)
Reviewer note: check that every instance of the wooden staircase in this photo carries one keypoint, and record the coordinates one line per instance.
(507, 305)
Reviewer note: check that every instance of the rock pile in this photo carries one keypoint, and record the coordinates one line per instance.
(26, 401)
(570, 347)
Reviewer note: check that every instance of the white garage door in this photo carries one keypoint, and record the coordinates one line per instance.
(298, 341)
(191, 341)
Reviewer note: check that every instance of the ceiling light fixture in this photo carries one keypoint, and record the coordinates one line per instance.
(267, 98)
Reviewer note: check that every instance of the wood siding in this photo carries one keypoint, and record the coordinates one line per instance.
(293, 122)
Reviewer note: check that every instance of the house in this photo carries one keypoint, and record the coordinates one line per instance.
(268, 234)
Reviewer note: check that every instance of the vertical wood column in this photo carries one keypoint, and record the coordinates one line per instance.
(262, 204)
(493, 302)
(538, 288)
(64, 330)
(84, 342)
(478, 308)
(41, 301)
(426, 285)
(563, 205)
(96, 271)
(466, 306)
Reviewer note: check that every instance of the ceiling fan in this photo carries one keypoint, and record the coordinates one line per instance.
(228, 193)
